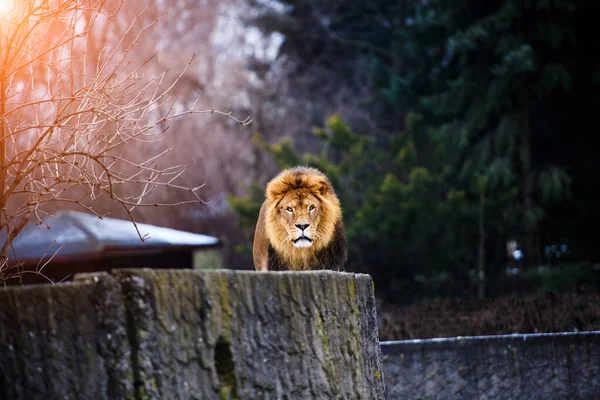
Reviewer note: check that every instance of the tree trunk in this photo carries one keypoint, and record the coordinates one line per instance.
(481, 251)
(2, 145)
(3, 252)
(529, 220)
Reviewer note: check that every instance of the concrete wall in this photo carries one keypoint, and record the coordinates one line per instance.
(563, 366)
(181, 334)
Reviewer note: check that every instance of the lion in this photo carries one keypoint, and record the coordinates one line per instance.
(300, 224)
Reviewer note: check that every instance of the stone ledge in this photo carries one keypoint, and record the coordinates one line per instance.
(183, 334)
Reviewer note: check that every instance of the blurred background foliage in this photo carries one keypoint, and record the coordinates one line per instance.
(460, 135)
(465, 126)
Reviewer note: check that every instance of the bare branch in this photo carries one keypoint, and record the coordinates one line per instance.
(69, 116)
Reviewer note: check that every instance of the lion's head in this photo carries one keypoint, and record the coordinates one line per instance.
(302, 216)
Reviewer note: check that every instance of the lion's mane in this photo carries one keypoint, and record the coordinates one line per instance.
(271, 249)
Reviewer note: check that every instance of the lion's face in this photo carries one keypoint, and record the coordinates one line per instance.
(300, 214)
(299, 226)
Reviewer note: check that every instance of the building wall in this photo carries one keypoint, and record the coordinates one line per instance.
(208, 258)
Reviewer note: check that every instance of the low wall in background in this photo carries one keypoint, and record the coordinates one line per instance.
(182, 334)
(563, 366)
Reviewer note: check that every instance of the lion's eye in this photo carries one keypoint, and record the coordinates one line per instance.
(311, 208)
(289, 209)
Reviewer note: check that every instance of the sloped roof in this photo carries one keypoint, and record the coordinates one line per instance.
(75, 233)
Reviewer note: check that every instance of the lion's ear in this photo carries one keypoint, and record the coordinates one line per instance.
(271, 195)
(274, 191)
(323, 187)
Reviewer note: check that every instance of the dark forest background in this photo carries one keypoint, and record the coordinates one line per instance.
(461, 136)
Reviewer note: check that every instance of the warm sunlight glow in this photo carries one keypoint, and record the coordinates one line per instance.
(5, 7)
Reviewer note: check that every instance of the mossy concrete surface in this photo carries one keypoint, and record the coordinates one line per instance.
(184, 334)
(65, 341)
(252, 335)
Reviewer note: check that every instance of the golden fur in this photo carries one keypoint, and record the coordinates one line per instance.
(300, 224)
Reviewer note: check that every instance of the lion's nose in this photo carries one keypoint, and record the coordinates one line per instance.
(302, 226)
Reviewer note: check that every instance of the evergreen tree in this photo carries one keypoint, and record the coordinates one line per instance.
(407, 224)
(432, 196)
(502, 59)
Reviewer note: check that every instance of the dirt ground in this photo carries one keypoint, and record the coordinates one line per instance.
(545, 313)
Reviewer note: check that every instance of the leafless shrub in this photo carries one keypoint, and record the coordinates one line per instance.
(70, 111)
